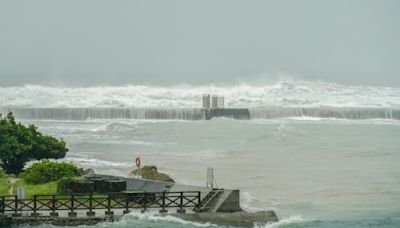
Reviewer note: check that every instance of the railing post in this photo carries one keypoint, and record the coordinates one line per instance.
(144, 202)
(72, 203)
(90, 213)
(35, 214)
(198, 199)
(2, 204)
(127, 211)
(53, 207)
(109, 212)
(34, 203)
(16, 214)
(163, 203)
(181, 210)
(108, 203)
(16, 205)
(72, 213)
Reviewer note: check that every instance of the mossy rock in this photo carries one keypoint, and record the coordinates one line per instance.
(151, 173)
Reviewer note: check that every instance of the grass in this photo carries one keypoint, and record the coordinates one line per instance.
(4, 186)
(36, 189)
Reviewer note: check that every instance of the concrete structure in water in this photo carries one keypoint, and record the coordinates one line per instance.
(213, 101)
(214, 106)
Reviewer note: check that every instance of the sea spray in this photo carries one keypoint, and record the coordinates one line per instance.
(280, 94)
(155, 217)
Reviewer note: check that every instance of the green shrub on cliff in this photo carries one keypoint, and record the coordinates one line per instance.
(46, 171)
(20, 144)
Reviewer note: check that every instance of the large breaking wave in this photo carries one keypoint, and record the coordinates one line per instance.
(280, 100)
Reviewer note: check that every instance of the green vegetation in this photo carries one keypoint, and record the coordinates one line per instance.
(2, 173)
(4, 186)
(4, 183)
(47, 171)
(19, 144)
(36, 189)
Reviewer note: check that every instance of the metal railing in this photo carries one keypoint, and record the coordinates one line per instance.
(205, 203)
(107, 202)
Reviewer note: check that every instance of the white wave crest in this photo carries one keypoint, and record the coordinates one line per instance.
(282, 94)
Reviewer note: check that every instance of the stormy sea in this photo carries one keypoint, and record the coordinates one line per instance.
(319, 154)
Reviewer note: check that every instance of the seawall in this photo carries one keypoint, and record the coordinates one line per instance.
(81, 114)
(234, 113)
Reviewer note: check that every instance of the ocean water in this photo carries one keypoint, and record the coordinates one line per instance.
(341, 171)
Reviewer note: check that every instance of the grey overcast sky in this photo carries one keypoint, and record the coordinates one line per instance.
(95, 42)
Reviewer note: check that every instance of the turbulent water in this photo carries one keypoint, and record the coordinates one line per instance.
(326, 156)
(280, 100)
(281, 94)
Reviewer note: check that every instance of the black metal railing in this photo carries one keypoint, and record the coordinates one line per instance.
(107, 202)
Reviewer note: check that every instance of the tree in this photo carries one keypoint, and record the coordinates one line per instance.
(20, 144)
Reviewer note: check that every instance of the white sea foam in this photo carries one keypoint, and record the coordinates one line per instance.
(248, 203)
(282, 94)
(92, 162)
(282, 222)
(168, 218)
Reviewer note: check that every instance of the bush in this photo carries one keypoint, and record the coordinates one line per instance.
(4, 186)
(2, 173)
(20, 144)
(46, 171)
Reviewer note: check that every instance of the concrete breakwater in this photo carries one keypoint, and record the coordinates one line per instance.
(81, 114)
(77, 114)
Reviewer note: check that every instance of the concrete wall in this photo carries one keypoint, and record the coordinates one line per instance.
(228, 202)
(146, 185)
(235, 113)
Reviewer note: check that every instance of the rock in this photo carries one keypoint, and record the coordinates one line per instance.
(151, 173)
(86, 172)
